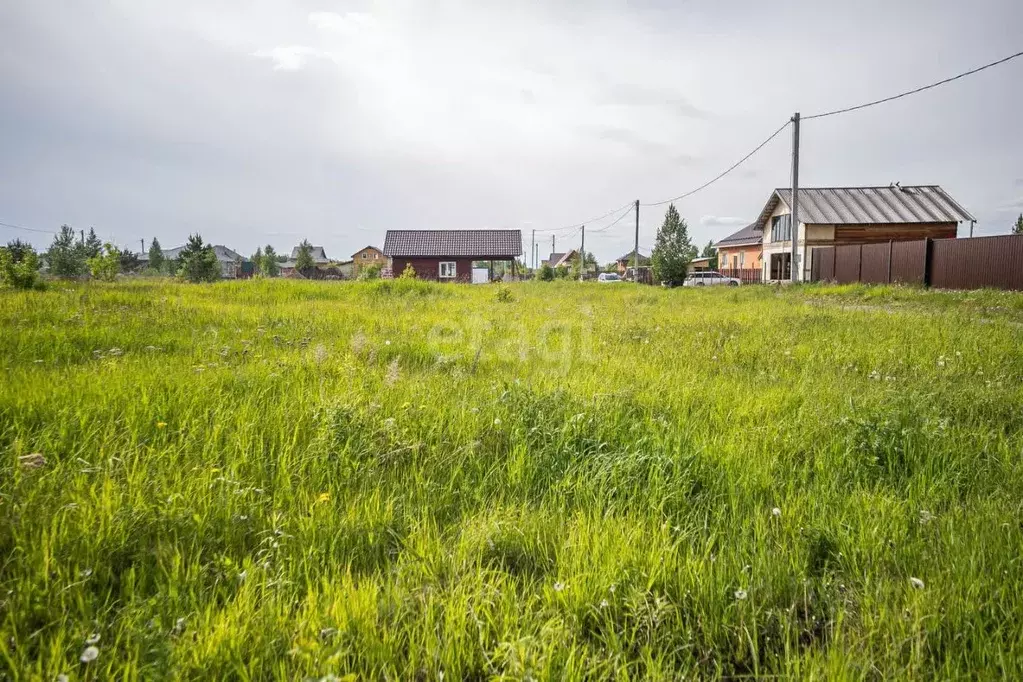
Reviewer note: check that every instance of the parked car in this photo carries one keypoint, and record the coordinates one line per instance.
(608, 278)
(709, 278)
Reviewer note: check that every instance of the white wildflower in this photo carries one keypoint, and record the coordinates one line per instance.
(603, 603)
(558, 587)
(776, 512)
(90, 654)
(497, 421)
(916, 583)
(926, 516)
(740, 594)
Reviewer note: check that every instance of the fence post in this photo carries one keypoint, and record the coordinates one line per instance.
(890, 242)
(928, 249)
(834, 264)
(859, 265)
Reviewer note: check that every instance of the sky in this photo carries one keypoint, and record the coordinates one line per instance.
(259, 122)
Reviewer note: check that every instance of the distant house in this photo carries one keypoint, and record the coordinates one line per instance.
(625, 262)
(565, 259)
(365, 257)
(346, 268)
(230, 261)
(742, 250)
(448, 255)
(831, 216)
(699, 264)
(318, 254)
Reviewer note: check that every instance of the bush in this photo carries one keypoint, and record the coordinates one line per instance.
(370, 272)
(408, 273)
(105, 266)
(19, 266)
(545, 273)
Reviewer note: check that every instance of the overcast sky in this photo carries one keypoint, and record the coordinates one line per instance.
(269, 121)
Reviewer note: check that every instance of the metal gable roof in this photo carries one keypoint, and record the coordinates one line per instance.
(464, 243)
(744, 237)
(870, 205)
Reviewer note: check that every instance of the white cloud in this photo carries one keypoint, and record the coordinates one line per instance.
(723, 221)
(292, 57)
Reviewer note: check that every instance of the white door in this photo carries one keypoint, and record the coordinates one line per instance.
(480, 275)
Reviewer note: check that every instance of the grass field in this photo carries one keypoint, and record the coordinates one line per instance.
(398, 480)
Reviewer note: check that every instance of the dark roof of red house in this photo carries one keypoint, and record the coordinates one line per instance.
(462, 243)
(747, 236)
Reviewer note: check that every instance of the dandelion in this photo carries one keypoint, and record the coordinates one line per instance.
(603, 603)
(740, 594)
(497, 421)
(93, 638)
(916, 583)
(323, 497)
(90, 654)
(558, 587)
(612, 588)
(776, 512)
(387, 342)
(161, 425)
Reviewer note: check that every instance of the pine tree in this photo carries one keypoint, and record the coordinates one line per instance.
(1018, 227)
(198, 261)
(269, 266)
(673, 250)
(93, 247)
(156, 259)
(65, 257)
(304, 263)
(710, 252)
(257, 261)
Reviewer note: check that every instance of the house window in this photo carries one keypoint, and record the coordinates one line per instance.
(781, 228)
(447, 270)
(365, 256)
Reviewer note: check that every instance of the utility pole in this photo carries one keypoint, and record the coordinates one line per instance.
(552, 243)
(82, 233)
(143, 245)
(795, 198)
(532, 251)
(635, 254)
(582, 256)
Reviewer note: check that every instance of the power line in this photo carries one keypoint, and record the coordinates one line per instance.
(916, 90)
(732, 168)
(585, 222)
(619, 219)
(27, 229)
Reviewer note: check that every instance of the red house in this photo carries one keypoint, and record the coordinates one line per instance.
(448, 255)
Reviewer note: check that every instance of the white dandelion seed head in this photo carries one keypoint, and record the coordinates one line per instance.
(90, 654)
(387, 342)
(558, 587)
(497, 421)
(916, 583)
(741, 594)
(62, 678)
(776, 512)
(603, 603)
(612, 588)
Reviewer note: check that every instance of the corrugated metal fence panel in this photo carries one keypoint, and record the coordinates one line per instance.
(847, 264)
(874, 263)
(977, 263)
(822, 264)
(908, 262)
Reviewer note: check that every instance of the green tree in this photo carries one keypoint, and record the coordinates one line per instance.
(710, 252)
(270, 267)
(545, 273)
(19, 266)
(672, 251)
(156, 259)
(257, 261)
(129, 261)
(93, 246)
(1018, 227)
(66, 258)
(304, 263)
(198, 261)
(408, 273)
(105, 265)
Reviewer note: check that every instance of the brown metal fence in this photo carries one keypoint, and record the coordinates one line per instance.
(745, 275)
(981, 262)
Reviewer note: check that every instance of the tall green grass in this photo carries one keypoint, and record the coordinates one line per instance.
(400, 480)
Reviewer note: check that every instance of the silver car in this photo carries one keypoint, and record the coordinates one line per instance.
(710, 278)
